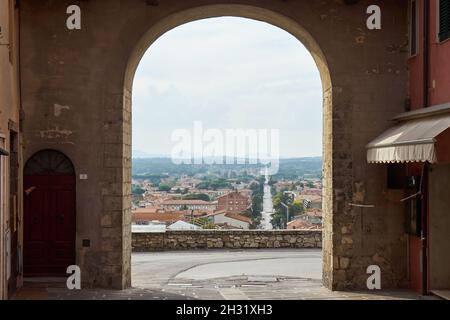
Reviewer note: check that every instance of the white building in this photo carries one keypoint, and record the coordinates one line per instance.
(182, 225)
(221, 218)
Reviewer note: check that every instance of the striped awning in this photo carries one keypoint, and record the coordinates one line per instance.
(411, 140)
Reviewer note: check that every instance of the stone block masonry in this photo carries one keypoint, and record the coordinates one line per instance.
(229, 239)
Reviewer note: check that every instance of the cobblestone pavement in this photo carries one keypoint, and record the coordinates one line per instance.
(218, 275)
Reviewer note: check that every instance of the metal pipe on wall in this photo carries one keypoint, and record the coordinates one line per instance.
(426, 73)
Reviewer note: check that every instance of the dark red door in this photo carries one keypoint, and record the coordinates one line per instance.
(49, 223)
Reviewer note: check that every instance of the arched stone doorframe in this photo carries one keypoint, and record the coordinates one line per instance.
(276, 19)
(50, 173)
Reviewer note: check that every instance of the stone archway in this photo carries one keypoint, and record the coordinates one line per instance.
(255, 13)
(76, 86)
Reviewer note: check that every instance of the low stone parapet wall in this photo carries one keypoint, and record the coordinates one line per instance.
(229, 239)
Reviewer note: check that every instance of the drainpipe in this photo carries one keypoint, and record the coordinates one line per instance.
(426, 98)
(19, 69)
(426, 52)
(424, 227)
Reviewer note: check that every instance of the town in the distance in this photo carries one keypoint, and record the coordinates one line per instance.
(168, 196)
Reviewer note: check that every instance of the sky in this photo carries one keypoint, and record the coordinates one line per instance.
(228, 73)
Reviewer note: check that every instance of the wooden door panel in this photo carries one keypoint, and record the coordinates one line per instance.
(415, 248)
(35, 208)
(36, 253)
(49, 225)
(64, 216)
(35, 224)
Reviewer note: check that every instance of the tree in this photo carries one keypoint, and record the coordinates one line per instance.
(209, 226)
(197, 196)
(254, 186)
(203, 185)
(279, 218)
(310, 184)
(296, 208)
(136, 190)
(278, 221)
(164, 187)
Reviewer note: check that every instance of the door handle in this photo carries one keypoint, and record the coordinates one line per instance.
(30, 190)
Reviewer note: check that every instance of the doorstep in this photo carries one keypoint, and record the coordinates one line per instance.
(444, 294)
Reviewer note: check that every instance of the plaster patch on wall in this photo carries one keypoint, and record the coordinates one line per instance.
(359, 192)
(56, 134)
(59, 109)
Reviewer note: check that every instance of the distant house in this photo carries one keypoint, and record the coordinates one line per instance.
(311, 219)
(233, 202)
(283, 185)
(182, 225)
(147, 228)
(230, 220)
(300, 224)
(223, 191)
(246, 192)
(310, 201)
(143, 216)
(188, 204)
(312, 191)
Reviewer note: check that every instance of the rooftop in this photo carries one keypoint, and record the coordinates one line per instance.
(185, 202)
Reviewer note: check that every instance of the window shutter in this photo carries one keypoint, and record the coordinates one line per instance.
(444, 20)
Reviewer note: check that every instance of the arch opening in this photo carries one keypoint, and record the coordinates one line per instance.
(49, 162)
(275, 19)
(231, 10)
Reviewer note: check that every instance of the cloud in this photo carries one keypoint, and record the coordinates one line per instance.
(228, 73)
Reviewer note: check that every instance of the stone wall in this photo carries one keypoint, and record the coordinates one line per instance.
(230, 239)
(9, 122)
(90, 72)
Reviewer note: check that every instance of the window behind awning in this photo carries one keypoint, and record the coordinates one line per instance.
(411, 140)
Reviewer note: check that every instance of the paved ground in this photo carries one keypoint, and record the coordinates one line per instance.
(217, 275)
(166, 267)
(242, 274)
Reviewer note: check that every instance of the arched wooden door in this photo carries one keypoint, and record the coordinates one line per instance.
(49, 214)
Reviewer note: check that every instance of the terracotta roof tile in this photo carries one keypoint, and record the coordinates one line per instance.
(163, 217)
(301, 224)
(239, 217)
